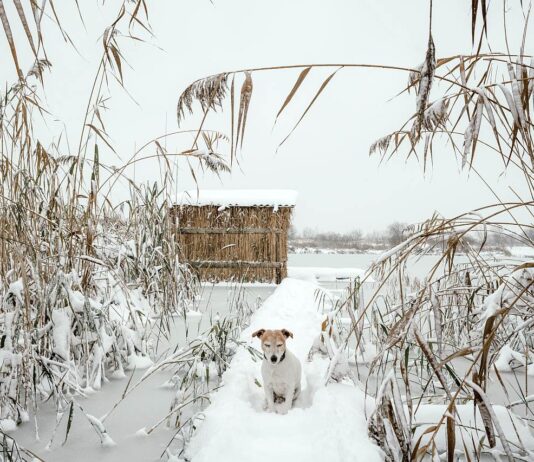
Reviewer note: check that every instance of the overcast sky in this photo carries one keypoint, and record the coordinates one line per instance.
(326, 159)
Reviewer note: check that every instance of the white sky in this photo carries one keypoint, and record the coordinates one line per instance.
(326, 159)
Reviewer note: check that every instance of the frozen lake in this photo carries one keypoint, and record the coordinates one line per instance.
(417, 266)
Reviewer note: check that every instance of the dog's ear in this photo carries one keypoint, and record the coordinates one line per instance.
(287, 333)
(258, 333)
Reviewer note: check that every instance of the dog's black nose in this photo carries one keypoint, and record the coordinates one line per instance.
(273, 358)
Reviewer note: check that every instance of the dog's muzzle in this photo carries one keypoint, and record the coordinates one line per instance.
(273, 358)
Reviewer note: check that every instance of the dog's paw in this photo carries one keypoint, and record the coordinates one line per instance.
(267, 407)
(282, 410)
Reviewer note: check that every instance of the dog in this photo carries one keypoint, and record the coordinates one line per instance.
(281, 370)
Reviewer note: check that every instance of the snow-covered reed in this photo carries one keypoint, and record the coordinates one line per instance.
(87, 285)
(454, 350)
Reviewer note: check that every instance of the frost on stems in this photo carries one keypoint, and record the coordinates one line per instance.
(381, 145)
(472, 132)
(209, 92)
(426, 78)
(436, 115)
(212, 161)
(387, 424)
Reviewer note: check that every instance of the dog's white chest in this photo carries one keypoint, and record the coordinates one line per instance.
(280, 381)
(282, 376)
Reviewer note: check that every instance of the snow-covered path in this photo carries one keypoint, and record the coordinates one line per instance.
(327, 423)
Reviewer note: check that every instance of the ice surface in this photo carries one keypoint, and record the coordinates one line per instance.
(310, 273)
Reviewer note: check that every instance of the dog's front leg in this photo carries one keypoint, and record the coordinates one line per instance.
(286, 405)
(269, 398)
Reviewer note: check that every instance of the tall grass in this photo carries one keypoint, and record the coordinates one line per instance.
(86, 284)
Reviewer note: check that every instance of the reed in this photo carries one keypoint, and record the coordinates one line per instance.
(87, 285)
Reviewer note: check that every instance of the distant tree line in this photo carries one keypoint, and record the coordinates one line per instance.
(391, 236)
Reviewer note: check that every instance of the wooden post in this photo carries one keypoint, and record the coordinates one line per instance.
(278, 270)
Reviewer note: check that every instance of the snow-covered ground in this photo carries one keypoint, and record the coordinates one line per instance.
(327, 423)
(522, 252)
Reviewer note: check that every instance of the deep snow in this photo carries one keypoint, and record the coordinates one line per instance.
(327, 423)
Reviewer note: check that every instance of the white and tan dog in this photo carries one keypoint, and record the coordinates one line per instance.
(281, 370)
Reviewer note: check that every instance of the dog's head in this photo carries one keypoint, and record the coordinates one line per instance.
(273, 343)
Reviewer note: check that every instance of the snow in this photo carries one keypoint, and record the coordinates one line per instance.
(105, 439)
(239, 197)
(492, 304)
(141, 432)
(522, 251)
(193, 314)
(508, 293)
(138, 361)
(76, 299)
(310, 273)
(9, 359)
(470, 428)
(61, 333)
(173, 458)
(235, 426)
(7, 425)
(15, 289)
(365, 354)
(508, 357)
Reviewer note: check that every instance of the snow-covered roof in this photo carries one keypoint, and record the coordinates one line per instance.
(239, 197)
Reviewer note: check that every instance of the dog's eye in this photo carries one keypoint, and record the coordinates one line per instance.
(268, 345)
(279, 345)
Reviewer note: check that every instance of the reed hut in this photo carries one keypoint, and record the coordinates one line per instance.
(235, 235)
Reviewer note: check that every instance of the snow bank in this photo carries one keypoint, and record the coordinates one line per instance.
(138, 361)
(239, 197)
(312, 273)
(508, 358)
(470, 428)
(61, 333)
(522, 251)
(99, 427)
(327, 423)
(7, 425)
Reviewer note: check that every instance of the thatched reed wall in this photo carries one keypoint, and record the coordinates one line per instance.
(246, 244)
